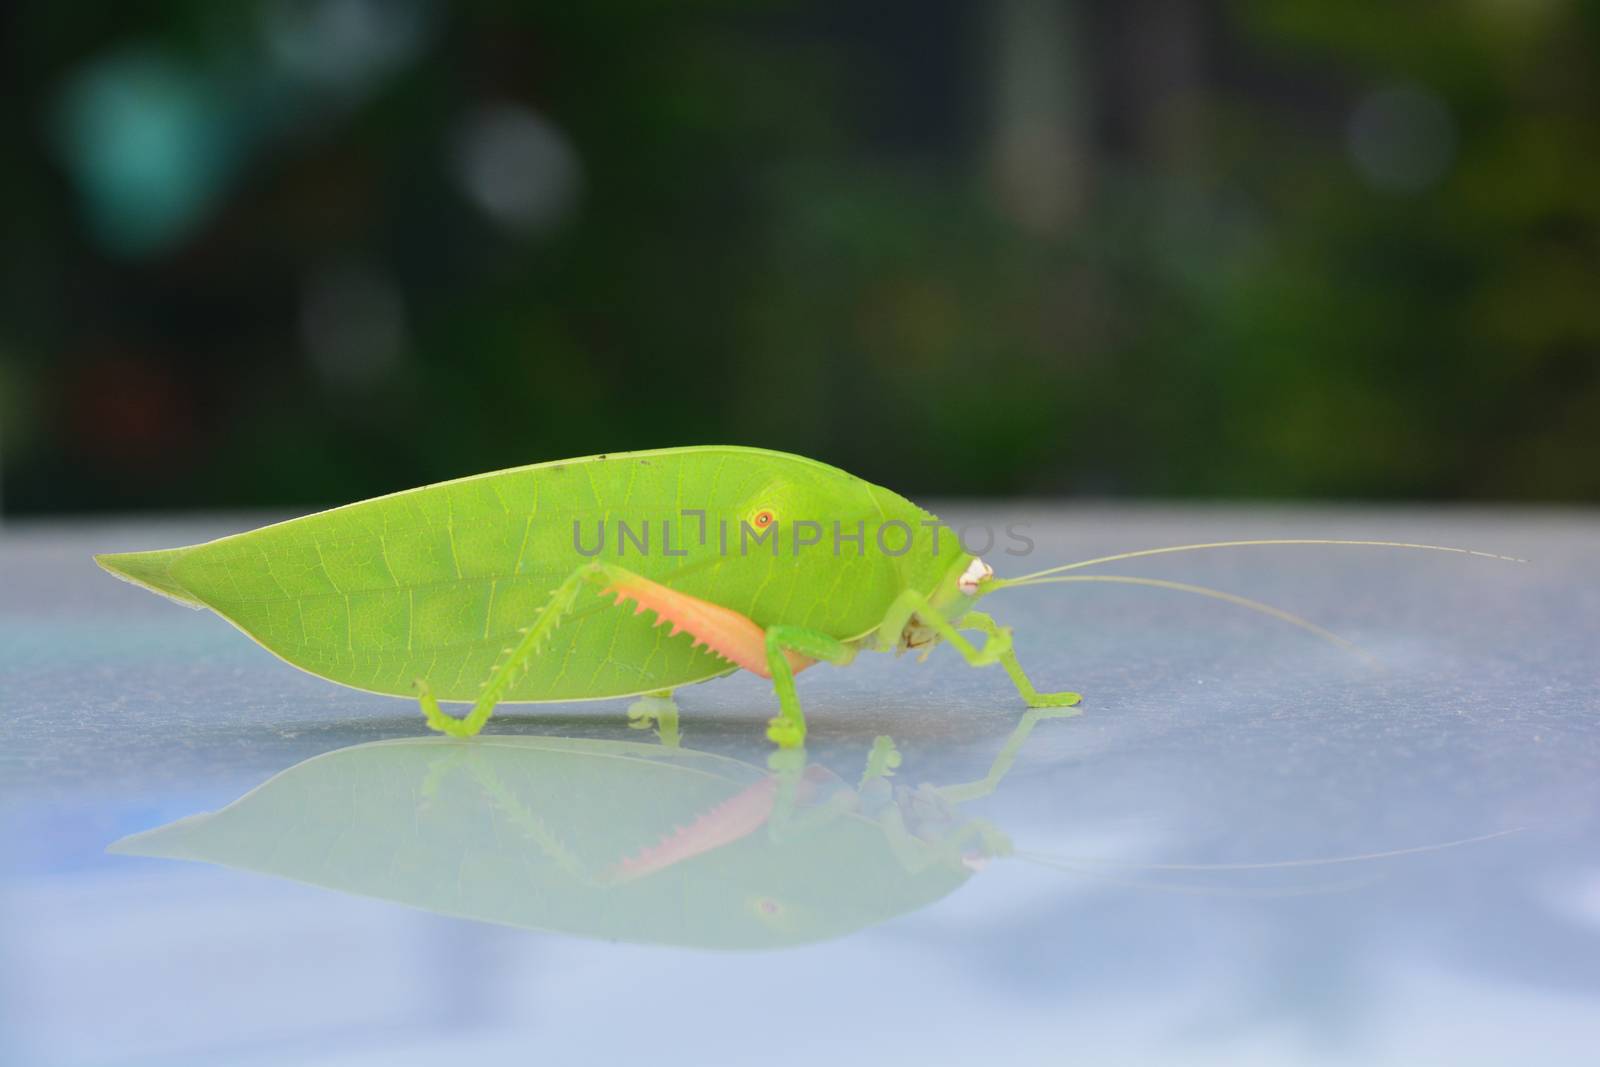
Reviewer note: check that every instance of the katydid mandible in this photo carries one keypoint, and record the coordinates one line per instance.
(622, 575)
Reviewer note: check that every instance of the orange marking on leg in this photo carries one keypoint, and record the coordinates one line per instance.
(734, 637)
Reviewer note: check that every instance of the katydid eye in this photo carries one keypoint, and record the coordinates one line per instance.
(763, 519)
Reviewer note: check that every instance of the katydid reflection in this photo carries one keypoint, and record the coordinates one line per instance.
(635, 841)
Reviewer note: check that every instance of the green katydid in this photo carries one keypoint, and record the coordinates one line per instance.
(512, 586)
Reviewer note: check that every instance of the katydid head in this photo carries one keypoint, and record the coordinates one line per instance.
(962, 583)
(969, 580)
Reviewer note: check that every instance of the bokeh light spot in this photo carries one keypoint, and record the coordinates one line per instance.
(352, 319)
(1402, 138)
(147, 147)
(518, 167)
(343, 43)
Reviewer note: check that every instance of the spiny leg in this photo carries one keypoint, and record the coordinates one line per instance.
(512, 662)
(724, 632)
(977, 620)
(788, 729)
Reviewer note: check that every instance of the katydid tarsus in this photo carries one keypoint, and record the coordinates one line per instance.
(628, 575)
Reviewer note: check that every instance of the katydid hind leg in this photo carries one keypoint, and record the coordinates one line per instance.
(512, 662)
(518, 657)
(722, 631)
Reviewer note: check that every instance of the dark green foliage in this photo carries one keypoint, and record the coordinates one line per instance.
(788, 232)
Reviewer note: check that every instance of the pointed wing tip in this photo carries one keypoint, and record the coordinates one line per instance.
(148, 570)
(135, 845)
(169, 841)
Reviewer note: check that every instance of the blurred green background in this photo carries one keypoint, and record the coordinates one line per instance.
(280, 253)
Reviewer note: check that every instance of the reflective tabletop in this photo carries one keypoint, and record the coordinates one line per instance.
(1253, 843)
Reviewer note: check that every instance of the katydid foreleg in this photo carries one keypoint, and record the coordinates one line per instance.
(985, 624)
(996, 647)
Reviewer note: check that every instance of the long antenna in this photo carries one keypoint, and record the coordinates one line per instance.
(1245, 544)
(1271, 865)
(1199, 590)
